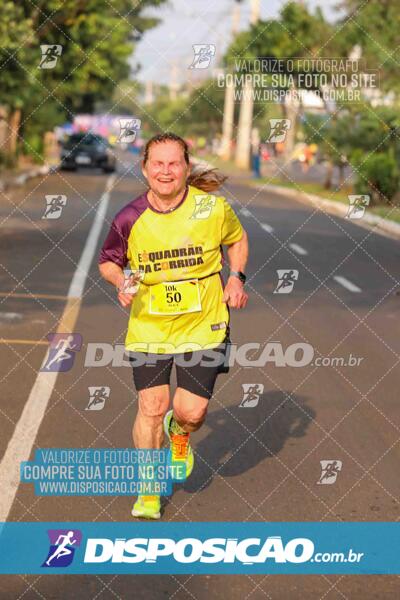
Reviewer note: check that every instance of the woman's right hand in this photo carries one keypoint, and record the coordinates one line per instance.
(124, 298)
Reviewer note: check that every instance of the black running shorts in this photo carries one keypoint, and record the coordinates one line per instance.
(195, 371)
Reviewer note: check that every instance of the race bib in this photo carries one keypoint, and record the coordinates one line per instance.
(175, 298)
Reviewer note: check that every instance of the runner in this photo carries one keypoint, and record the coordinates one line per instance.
(62, 550)
(173, 235)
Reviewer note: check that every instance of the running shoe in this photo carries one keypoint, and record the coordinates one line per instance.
(181, 450)
(147, 507)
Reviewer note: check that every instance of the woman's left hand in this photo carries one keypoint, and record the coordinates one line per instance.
(234, 294)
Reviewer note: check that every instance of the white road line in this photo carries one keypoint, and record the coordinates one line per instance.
(346, 283)
(267, 227)
(20, 445)
(81, 273)
(298, 249)
(245, 212)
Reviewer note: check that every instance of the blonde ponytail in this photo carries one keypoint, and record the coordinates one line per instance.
(206, 179)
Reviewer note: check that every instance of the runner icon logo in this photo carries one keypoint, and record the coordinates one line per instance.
(50, 54)
(61, 352)
(97, 397)
(54, 205)
(203, 53)
(329, 471)
(357, 205)
(62, 547)
(286, 279)
(278, 129)
(251, 394)
(128, 130)
(204, 206)
(132, 281)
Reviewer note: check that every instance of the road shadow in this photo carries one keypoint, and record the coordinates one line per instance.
(241, 438)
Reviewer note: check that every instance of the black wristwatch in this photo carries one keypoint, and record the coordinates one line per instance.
(239, 275)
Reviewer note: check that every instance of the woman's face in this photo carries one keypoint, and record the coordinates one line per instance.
(166, 170)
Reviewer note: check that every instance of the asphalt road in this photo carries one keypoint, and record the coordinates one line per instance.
(253, 463)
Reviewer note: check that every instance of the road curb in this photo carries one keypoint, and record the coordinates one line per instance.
(22, 178)
(333, 207)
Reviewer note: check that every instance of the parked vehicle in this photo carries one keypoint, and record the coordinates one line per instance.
(87, 150)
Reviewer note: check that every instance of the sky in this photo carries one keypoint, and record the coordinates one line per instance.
(187, 22)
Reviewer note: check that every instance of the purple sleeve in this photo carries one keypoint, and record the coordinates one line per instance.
(115, 246)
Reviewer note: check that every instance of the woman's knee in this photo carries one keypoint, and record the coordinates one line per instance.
(153, 402)
(190, 409)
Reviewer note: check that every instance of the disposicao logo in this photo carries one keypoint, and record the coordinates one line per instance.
(62, 547)
(190, 550)
(61, 352)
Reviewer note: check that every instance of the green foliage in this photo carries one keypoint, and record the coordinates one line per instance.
(200, 113)
(331, 134)
(378, 175)
(296, 33)
(7, 160)
(369, 139)
(124, 99)
(45, 118)
(375, 27)
(97, 39)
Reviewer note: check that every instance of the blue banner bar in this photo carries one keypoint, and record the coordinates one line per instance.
(209, 548)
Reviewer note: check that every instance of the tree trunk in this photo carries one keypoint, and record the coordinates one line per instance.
(228, 122)
(13, 124)
(242, 154)
(328, 176)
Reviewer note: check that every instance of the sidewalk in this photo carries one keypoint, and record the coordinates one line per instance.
(333, 207)
(14, 178)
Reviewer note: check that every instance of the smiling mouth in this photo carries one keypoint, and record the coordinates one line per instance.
(165, 180)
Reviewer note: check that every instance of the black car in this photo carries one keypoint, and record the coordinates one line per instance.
(87, 150)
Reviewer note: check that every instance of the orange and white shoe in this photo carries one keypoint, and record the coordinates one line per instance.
(181, 450)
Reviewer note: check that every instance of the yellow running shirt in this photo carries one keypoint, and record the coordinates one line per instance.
(179, 305)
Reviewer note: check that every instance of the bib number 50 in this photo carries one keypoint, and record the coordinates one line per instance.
(173, 297)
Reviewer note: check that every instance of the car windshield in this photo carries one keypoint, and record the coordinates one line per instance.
(79, 140)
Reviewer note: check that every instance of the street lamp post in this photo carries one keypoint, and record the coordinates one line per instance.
(229, 103)
(242, 156)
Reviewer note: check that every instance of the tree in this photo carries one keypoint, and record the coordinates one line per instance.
(295, 34)
(374, 27)
(198, 114)
(97, 39)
